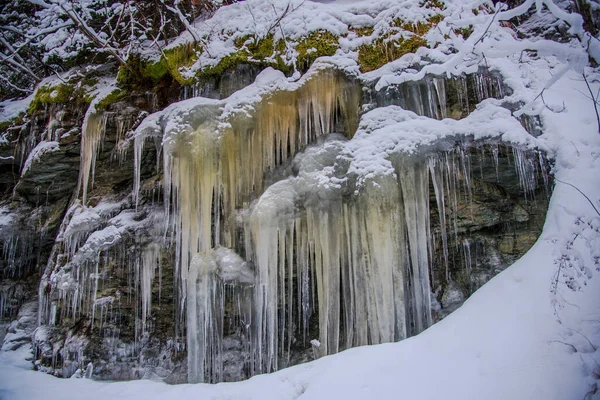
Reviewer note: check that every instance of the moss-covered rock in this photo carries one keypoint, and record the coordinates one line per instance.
(114, 96)
(63, 93)
(139, 74)
(382, 51)
(264, 52)
(317, 44)
(177, 59)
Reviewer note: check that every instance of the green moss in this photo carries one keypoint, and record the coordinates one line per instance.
(155, 71)
(266, 52)
(141, 74)
(317, 44)
(262, 51)
(112, 98)
(227, 62)
(239, 42)
(174, 60)
(439, 4)
(56, 94)
(382, 51)
(60, 94)
(366, 31)
(464, 32)
(262, 48)
(90, 80)
(418, 28)
(5, 125)
(435, 19)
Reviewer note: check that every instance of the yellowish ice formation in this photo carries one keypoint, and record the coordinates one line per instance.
(91, 137)
(355, 253)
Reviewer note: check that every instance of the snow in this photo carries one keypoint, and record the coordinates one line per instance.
(389, 130)
(502, 343)
(232, 267)
(37, 152)
(10, 109)
(84, 220)
(297, 19)
(6, 218)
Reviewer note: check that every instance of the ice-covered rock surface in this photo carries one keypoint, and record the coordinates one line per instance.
(505, 341)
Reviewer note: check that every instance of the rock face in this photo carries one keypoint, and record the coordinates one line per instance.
(164, 282)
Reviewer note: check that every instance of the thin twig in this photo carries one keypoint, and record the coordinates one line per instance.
(585, 337)
(594, 100)
(583, 194)
(566, 344)
(564, 107)
(489, 26)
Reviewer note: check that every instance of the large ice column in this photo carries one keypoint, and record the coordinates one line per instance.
(283, 124)
(324, 233)
(414, 182)
(204, 319)
(211, 275)
(191, 168)
(382, 239)
(354, 255)
(270, 224)
(212, 169)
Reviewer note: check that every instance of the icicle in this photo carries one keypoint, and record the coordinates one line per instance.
(440, 89)
(362, 262)
(210, 174)
(415, 183)
(150, 263)
(204, 316)
(91, 137)
(544, 172)
(495, 153)
(465, 162)
(526, 170)
(437, 179)
(138, 150)
(466, 247)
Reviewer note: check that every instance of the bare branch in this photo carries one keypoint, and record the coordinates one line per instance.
(12, 85)
(500, 8)
(192, 31)
(566, 344)
(18, 66)
(583, 194)
(594, 100)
